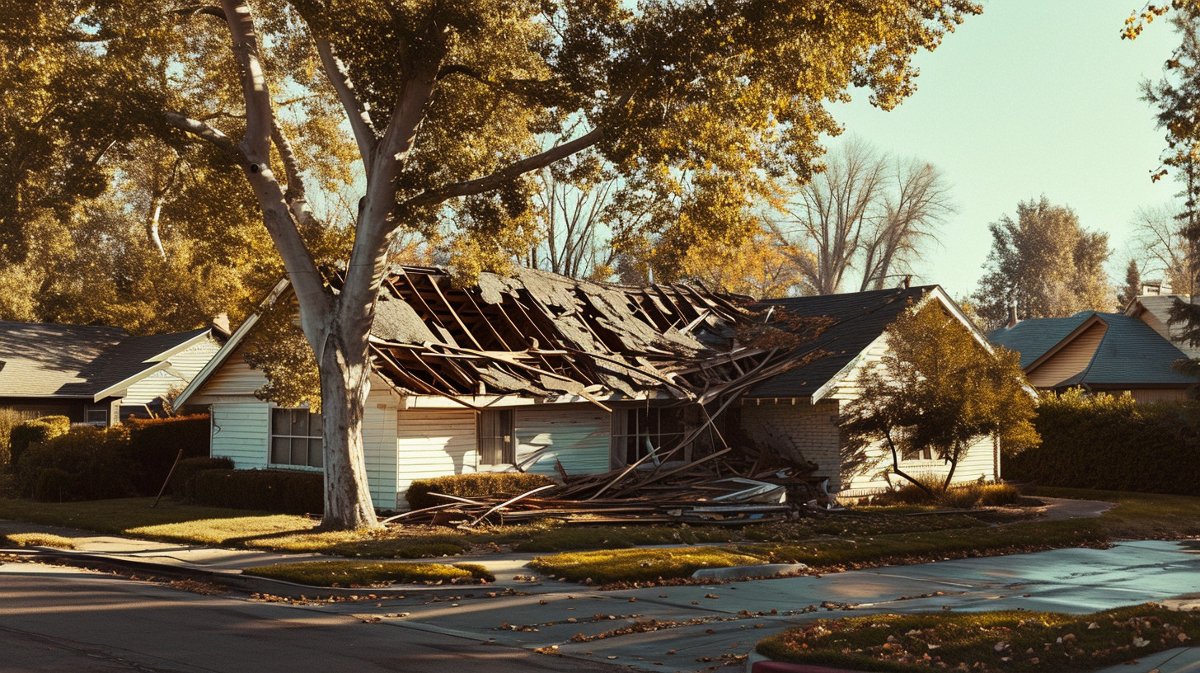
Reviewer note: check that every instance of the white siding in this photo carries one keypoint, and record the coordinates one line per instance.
(241, 432)
(234, 377)
(379, 445)
(187, 363)
(575, 435)
(979, 461)
(433, 444)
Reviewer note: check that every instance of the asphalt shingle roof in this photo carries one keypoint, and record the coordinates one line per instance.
(1131, 353)
(47, 360)
(861, 318)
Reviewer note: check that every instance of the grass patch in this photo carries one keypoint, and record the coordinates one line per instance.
(1140, 516)
(638, 565)
(36, 540)
(367, 574)
(845, 552)
(986, 641)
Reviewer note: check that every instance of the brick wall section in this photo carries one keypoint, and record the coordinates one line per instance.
(813, 428)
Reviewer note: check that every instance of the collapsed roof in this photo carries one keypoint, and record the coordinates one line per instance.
(541, 334)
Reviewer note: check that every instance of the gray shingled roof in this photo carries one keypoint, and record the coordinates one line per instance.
(46, 360)
(861, 318)
(1131, 353)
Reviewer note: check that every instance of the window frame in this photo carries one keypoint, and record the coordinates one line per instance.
(620, 434)
(496, 437)
(312, 420)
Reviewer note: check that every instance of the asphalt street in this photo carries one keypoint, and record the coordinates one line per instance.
(64, 619)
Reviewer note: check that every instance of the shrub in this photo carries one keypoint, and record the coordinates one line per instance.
(155, 443)
(472, 485)
(1112, 443)
(283, 491)
(88, 463)
(183, 481)
(9, 418)
(27, 433)
(964, 496)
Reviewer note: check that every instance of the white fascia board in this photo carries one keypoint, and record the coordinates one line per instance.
(123, 385)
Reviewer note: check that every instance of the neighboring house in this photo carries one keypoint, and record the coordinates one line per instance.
(1153, 307)
(1114, 353)
(551, 375)
(95, 375)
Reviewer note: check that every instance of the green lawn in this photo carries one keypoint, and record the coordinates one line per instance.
(370, 574)
(854, 541)
(826, 542)
(639, 565)
(1016, 641)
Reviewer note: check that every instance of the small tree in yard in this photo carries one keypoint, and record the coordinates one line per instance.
(446, 103)
(935, 391)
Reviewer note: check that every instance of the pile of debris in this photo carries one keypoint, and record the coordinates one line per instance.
(723, 488)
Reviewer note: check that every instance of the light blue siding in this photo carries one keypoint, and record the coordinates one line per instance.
(575, 435)
(241, 431)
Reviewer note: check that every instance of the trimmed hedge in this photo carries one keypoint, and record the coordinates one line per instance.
(283, 491)
(1112, 443)
(89, 463)
(37, 430)
(183, 482)
(472, 485)
(154, 444)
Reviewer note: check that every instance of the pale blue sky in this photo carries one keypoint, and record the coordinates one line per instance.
(1031, 97)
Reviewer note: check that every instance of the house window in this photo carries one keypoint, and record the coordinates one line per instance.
(96, 417)
(295, 437)
(496, 437)
(635, 431)
(910, 454)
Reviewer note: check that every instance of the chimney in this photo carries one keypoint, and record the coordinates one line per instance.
(1012, 315)
(907, 281)
(220, 324)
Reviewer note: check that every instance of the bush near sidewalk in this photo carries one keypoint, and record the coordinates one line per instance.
(1016, 641)
(27, 433)
(91, 463)
(283, 491)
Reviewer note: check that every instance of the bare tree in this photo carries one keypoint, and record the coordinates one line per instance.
(1163, 249)
(573, 213)
(910, 215)
(866, 211)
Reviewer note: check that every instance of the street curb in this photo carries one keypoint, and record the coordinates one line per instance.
(235, 578)
(749, 572)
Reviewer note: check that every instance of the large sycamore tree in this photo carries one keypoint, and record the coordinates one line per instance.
(448, 103)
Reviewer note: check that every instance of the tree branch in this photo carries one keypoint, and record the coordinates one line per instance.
(513, 170)
(204, 131)
(360, 119)
(295, 193)
(256, 154)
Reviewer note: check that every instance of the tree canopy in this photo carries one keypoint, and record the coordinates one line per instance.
(1046, 263)
(445, 106)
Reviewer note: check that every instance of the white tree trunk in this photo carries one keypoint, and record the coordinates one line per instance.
(345, 383)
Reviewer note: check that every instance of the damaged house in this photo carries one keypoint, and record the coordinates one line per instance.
(567, 378)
